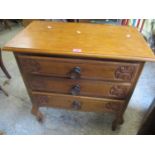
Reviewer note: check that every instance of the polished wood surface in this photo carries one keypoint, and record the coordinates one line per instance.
(82, 39)
(82, 67)
(80, 87)
(89, 69)
(76, 103)
(47, 77)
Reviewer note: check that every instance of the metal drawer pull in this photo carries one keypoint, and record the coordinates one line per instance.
(75, 73)
(75, 90)
(76, 105)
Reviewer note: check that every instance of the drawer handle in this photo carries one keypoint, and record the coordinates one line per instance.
(75, 73)
(76, 105)
(75, 90)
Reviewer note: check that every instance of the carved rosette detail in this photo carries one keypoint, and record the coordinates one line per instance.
(31, 65)
(42, 100)
(118, 91)
(125, 72)
(113, 106)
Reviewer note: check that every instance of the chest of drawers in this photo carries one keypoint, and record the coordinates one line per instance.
(81, 67)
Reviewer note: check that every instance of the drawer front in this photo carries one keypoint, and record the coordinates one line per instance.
(79, 68)
(76, 103)
(79, 87)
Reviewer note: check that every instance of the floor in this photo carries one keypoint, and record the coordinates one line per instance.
(16, 119)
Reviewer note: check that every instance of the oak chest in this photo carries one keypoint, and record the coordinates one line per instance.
(83, 67)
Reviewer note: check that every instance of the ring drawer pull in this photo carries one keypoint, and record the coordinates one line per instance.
(75, 90)
(75, 73)
(76, 105)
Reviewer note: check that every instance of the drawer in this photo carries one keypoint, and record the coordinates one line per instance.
(80, 87)
(79, 68)
(76, 102)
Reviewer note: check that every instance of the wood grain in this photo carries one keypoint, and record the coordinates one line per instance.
(84, 67)
(87, 87)
(92, 40)
(86, 103)
(89, 69)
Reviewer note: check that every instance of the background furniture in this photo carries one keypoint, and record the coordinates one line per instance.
(3, 67)
(7, 74)
(148, 124)
(139, 23)
(5, 71)
(6, 24)
(77, 66)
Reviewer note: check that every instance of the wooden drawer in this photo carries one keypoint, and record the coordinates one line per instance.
(80, 87)
(76, 102)
(79, 68)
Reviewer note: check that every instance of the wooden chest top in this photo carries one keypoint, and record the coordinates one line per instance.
(83, 40)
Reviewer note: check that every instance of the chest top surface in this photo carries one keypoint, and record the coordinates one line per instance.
(82, 39)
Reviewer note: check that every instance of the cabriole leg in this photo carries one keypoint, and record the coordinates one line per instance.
(35, 111)
(117, 121)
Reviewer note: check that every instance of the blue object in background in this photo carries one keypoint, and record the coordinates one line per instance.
(134, 22)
